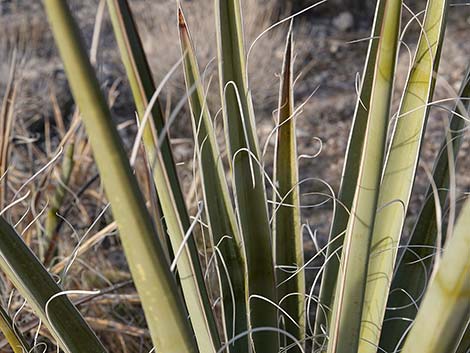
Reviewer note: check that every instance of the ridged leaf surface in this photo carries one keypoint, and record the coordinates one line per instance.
(445, 311)
(289, 252)
(165, 176)
(352, 277)
(219, 210)
(400, 170)
(248, 179)
(147, 260)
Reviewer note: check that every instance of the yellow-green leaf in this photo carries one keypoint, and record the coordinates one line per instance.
(399, 174)
(444, 313)
(412, 276)
(352, 277)
(147, 260)
(165, 175)
(219, 210)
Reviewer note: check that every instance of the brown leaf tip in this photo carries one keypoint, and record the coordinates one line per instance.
(181, 21)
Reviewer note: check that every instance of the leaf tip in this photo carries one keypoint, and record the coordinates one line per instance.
(181, 20)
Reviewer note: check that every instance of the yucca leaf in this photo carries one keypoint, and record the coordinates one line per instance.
(400, 170)
(33, 282)
(13, 336)
(464, 345)
(136, 65)
(146, 258)
(287, 234)
(248, 180)
(348, 183)
(411, 276)
(350, 288)
(165, 175)
(445, 310)
(219, 210)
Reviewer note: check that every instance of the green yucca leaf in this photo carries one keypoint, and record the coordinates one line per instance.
(136, 65)
(400, 172)
(348, 183)
(165, 175)
(33, 281)
(146, 258)
(219, 210)
(14, 337)
(287, 228)
(411, 276)
(444, 313)
(143, 87)
(464, 344)
(248, 183)
(352, 278)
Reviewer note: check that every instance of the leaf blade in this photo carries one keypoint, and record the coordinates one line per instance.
(348, 183)
(34, 282)
(220, 213)
(146, 258)
(165, 175)
(286, 227)
(248, 180)
(445, 308)
(399, 173)
(350, 290)
(12, 334)
(411, 276)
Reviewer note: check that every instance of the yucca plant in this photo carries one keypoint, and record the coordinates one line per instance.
(256, 244)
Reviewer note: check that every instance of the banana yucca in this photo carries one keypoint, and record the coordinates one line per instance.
(373, 297)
